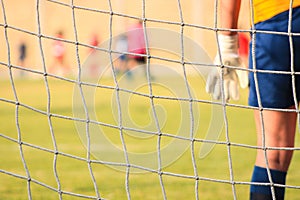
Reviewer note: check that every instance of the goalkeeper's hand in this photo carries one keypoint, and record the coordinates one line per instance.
(231, 77)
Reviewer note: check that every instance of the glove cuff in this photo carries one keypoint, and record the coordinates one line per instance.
(228, 44)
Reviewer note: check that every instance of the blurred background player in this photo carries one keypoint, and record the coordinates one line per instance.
(272, 52)
(59, 51)
(121, 61)
(22, 49)
(93, 65)
(94, 42)
(136, 45)
(244, 47)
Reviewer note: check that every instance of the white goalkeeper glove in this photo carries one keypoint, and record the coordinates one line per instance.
(231, 77)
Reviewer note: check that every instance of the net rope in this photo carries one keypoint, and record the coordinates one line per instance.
(80, 83)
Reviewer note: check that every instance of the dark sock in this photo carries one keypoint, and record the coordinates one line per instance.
(258, 196)
(260, 175)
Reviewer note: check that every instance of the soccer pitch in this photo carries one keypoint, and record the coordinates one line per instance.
(71, 167)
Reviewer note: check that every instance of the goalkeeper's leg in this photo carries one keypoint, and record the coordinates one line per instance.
(279, 131)
(273, 53)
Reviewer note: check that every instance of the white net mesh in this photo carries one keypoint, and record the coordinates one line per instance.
(84, 118)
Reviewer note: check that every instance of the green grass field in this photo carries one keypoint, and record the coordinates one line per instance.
(74, 175)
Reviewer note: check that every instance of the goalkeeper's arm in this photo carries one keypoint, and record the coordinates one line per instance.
(227, 80)
(230, 15)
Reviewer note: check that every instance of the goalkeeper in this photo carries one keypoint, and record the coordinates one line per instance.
(272, 90)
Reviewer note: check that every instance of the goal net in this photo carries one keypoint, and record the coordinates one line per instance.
(106, 100)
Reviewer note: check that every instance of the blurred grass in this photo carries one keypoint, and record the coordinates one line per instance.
(74, 174)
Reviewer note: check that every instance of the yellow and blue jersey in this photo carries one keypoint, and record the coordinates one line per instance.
(266, 9)
(273, 53)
